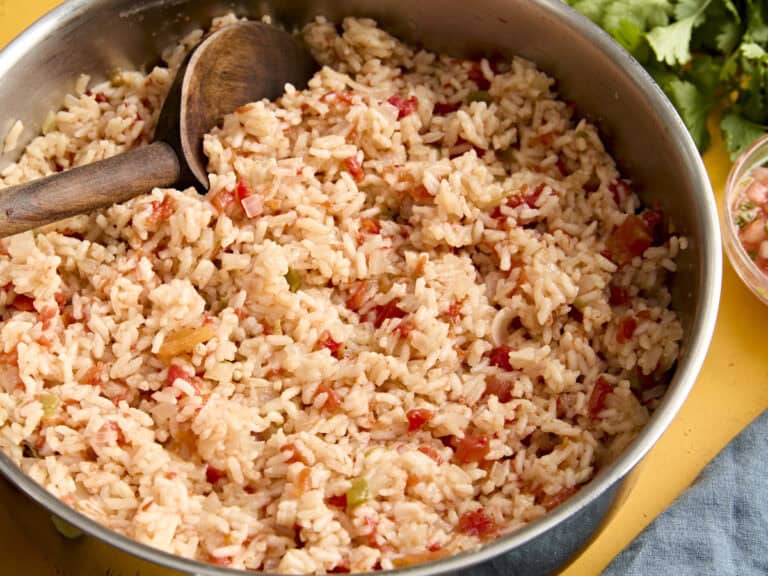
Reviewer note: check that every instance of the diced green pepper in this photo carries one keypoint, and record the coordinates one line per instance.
(294, 280)
(357, 493)
(479, 96)
(49, 402)
(65, 528)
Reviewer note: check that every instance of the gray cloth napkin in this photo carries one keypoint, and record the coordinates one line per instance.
(718, 526)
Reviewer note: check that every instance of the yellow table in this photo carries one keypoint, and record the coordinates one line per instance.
(731, 391)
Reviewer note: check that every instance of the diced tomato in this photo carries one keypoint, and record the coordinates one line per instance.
(454, 312)
(47, 314)
(405, 106)
(631, 238)
(404, 328)
(596, 402)
(100, 97)
(476, 75)
(93, 375)
(443, 108)
(293, 453)
(223, 200)
(418, 417)
(472, 448)
(176, 371)
(435, 547)
(341, 97)
(550, 501)
(338, 500)
(528, 199)
(23, 303)
(356, 300)
(499, 357)
(161, 211)
(431, 452)
(370, 225)
(114, 427)
(477, 523)
(502, 389)
(626, 329)
(326, 341)
(339, 569)
(619, 296)
(332, 400)
(619, 190)
(420, 193)
(354, 168)
(213, 474)
(387, 311)
(61, 300)
(655, 221)
(497, 214)
(546, 139)
(242, 191)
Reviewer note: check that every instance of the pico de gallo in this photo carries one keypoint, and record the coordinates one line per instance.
(750, 216)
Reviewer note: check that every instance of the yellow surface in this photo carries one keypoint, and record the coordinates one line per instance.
(731, 391)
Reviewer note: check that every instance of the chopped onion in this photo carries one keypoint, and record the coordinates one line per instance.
(253, 205)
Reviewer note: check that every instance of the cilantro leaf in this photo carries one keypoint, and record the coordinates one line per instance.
(671, 43)
(739, 133)
(694, 107)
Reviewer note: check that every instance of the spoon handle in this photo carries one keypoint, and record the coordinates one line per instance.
(87, 188)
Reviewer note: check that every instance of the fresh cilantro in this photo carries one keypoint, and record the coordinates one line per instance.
(739, 133)
(705, 54)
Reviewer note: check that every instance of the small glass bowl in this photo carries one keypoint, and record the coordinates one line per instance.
(754, 156)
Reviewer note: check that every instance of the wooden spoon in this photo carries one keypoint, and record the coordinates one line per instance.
(240, 63)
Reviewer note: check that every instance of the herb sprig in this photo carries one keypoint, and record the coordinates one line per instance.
(705, 55)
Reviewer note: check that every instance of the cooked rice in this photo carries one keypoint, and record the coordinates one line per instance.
(385, 269)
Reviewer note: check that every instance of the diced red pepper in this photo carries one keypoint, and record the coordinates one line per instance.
(477, 523)
(242, 191)
(23, 303)
(550, 501)
(100, 97)
(356, 300)
(596, 402)
(213, 474)
(332, 400)
(354, 168)
(326, 341)
(443, 108)
(472, 448)
(502, 389)
(387, 311)
(619, 296)
(161, 211)
(339, 569)
(431, 452)
(418, 417)
(626, 329)
(631, 238)
(476, 75)
(405, 106)
(338, 500)
(499, 357)
(176, 371)
(370, 225)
